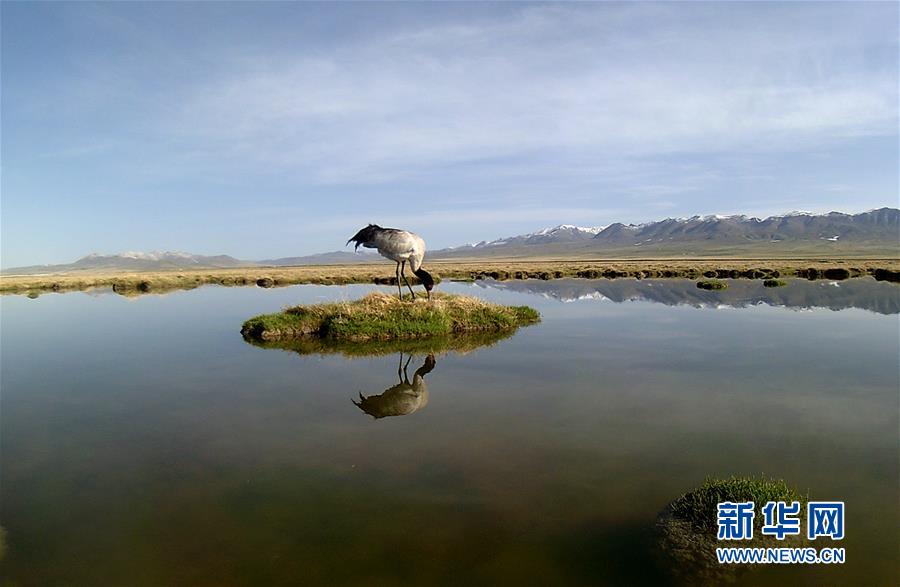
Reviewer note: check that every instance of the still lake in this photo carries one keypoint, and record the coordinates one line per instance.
(144, 442)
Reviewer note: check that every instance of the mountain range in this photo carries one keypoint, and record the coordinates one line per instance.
(564, 233)
(135, 261)
(873, 232)
(702, 234)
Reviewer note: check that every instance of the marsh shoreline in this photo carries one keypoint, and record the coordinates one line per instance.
(383, 317)
(882, 269)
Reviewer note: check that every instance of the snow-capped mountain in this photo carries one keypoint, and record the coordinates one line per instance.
(154, 260)
(882, 224)
(174, 256)
(135, 261)
(569, 229)
(564, 233)
(697, 234)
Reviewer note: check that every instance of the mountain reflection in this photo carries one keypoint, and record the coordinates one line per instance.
(862, 293)
(403, 398)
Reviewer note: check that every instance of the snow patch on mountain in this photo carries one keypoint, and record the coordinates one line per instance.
(567, 227)
(146, 256)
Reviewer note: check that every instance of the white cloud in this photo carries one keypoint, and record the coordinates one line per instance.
(593, 83)
(471, 121)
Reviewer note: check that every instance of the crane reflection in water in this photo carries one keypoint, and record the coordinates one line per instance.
(403, 398)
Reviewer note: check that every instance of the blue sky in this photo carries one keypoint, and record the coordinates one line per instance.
(262, 130)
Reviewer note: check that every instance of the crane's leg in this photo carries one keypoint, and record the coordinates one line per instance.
(399, 288)
(403, 273)
(405, 374)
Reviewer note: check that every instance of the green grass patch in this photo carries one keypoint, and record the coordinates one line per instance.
(460, 343)
(711, 284)
(700, 505)
(379, 316)
(774, 283)
(686, 530)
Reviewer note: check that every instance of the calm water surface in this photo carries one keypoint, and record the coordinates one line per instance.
(145, 443)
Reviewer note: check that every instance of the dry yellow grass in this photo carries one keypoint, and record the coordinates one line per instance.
(883, 268)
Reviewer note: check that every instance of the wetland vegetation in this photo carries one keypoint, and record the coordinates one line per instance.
(882, 269)
(380, 316)
(687, 528)
(699, 506)
(459, 343)
(711, 284)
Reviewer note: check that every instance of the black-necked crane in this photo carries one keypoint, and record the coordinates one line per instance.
(401, 399)
(400, 246)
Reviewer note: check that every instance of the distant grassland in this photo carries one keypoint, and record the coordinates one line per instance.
(887, 268)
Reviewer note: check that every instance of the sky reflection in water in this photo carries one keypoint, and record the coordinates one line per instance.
(144, 442)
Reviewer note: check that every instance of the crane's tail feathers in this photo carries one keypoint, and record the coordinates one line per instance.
(364, 235)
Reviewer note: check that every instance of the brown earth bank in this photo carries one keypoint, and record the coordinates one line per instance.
(883, 269)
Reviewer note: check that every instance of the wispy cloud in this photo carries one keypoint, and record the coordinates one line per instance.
(135, 125)
(598, 82)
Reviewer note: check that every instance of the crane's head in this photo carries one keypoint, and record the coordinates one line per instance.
(364, 235)
(426, 279)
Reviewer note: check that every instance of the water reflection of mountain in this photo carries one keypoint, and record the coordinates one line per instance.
(863, 293)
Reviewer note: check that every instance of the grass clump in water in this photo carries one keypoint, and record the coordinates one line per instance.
(460, 343)
(686, 530)
(711, 284)
(379, 316)
(700, 506)
(774, 283)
